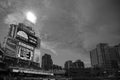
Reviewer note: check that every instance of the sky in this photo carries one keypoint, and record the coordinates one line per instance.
(68, 29)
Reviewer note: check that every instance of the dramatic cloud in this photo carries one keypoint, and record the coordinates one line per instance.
(69, 26)
(80, 24)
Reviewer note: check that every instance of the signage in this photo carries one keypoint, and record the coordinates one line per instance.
(25, 35)
(12, 30)
(22, 34)
(11, 47)
(25, 53)
(26, 28)
(33, 40)
(26, 46)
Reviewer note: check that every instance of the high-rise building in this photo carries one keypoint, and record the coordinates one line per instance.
(97, 55)
(74, 69)
(104, 56)
(68, 64)
(47, 62)
(117, 47)
(94, 58)
(78, 64)
(56, 67)
(101, 53)
(114, 57)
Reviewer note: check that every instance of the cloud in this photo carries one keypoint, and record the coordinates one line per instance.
(60, 28)
(70, 18)
(71, 25)
(15, 18)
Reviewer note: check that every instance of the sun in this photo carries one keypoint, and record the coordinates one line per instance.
(31, 17)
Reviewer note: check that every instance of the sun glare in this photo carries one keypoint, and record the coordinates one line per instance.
(31, 17)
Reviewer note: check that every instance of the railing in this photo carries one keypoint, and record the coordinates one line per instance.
(31, 71)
